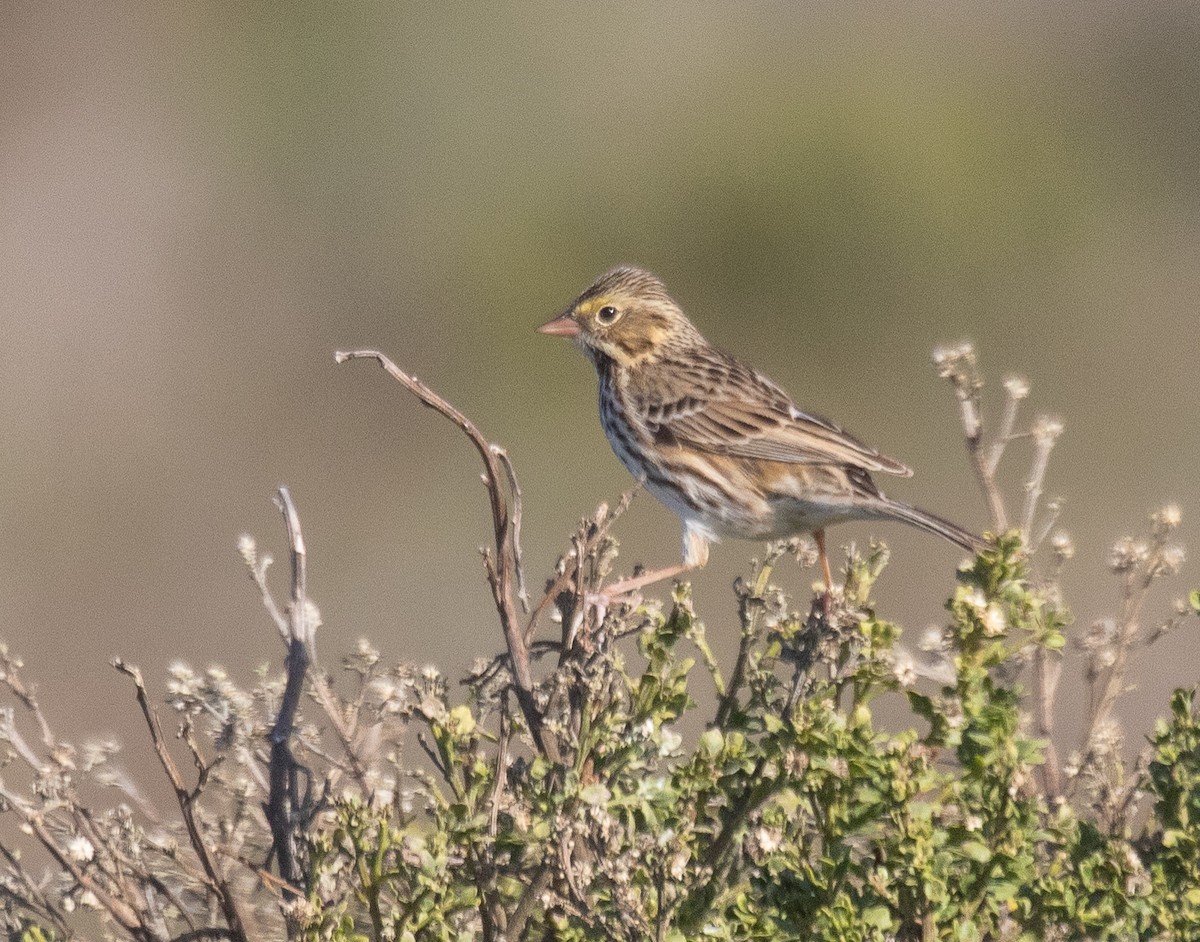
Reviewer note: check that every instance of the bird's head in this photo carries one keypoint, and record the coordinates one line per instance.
(626, 316)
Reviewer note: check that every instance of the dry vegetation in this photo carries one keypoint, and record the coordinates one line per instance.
(559, 801)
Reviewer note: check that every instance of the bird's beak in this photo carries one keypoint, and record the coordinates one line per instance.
(562, 326)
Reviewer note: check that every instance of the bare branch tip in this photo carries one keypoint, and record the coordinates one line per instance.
(129, 670)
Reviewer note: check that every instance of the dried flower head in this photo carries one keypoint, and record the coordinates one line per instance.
(934, 639)
(1063, 546)
(1170, 560)
(80, 849)
(1017, 387)
(951, 361)
(994, 622)
(904, 670)
(1046, 430)
(1166, 519)
(1126, 554)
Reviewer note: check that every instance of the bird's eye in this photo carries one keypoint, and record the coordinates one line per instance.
(607, 314)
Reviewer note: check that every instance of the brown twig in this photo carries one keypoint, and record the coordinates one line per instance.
(1045, 688)
(122, 912)
(972, 423)
(517, 513)
(568, 576)
(214, 879)
(959, 367)
(1137, 585)
(501, 772)
(524, 908)
(33, 897)
(750, 606)
(503, 573)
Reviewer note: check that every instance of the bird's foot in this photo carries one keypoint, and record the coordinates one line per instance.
(600, 602)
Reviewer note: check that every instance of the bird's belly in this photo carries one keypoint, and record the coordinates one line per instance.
(743, 502)
(723, 505)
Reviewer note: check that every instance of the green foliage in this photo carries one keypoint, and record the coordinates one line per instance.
(792, 815)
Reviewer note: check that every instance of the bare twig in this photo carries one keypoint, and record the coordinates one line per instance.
(214, 879)
(1017, 390)
(1046, 673)
(283, 803)
(958, 366)
(500, 577)
(28, 696)
(122, 912)
(597, 529)
(346, 729)
(750, 606)
(258, 575)
(32, 896)
(1045, 434)
(1137, 583)
(517, 512)
(524, 908)
(501, 772)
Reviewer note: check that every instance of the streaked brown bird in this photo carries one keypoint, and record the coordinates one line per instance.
(715, 440)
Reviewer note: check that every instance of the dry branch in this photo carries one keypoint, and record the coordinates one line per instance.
(214, 879)
(503, 570)
(284, 801)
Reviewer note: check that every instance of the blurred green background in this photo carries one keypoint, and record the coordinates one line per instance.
(202, 201)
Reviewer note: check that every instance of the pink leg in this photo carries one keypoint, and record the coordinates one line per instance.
(826, 573)
(632, 584)
(695, 555)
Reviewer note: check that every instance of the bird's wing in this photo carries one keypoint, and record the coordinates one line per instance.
(719, 405)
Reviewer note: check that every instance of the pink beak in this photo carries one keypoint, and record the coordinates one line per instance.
(562, 326)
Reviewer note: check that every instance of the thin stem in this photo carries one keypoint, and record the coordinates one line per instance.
(1046, 674)
(283, 797)
(501, 576)
(728, 701)
(215, 880)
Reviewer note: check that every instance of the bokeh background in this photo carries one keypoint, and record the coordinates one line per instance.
(200, 202)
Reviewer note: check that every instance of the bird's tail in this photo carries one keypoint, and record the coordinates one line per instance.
(931, 523)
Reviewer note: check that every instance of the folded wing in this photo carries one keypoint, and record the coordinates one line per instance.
(719, 405)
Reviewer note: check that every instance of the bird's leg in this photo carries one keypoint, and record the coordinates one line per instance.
(632, 584)
(695, 555)
(601, 601)
(826, 574)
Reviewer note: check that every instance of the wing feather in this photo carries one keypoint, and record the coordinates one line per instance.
(719, 405)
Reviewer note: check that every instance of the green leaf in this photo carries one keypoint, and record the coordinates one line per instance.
(877, 917)
(596, 795)
(711, 742)
(977, 851)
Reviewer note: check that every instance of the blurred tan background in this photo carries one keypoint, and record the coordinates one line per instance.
(201, 202)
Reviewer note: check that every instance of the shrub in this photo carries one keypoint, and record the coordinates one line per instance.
(576, 789)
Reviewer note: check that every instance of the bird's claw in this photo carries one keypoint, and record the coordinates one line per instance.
(603, 600)
(599, 602)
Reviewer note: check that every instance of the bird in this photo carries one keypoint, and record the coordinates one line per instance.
(714, 439)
